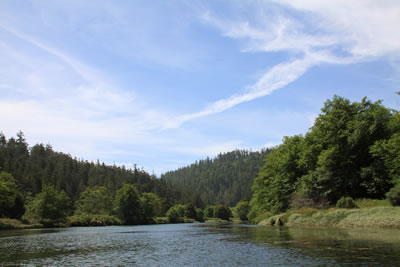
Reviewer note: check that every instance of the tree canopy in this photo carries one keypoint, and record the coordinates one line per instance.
(226, 179)
(351, 150)
(127, 204)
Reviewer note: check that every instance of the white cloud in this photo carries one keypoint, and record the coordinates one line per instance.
(277, 77)
(340, 32)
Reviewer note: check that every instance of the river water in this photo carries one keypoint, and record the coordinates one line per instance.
(199, 245)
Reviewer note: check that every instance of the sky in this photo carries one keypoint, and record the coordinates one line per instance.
(162, 84)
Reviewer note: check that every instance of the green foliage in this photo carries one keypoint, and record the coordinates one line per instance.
(92, 220)
(161, 220)
(277, 179)
(95, 200)
(8, 192)
(351, 150)
(151, 205)
(242, 210)
(394, 195)
(199, 215)
(50, 206)
(209, 211)
(226, 179)
(377, 217)
(39, 165)
(346, 203)
(222, 212)
(190, 211)
(175, 214)
(127, 205)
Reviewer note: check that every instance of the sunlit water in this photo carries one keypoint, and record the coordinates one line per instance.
(198, 245)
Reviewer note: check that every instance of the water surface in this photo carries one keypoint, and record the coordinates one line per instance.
(198, 245)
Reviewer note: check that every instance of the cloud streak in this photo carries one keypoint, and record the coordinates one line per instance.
(276, 78)
(346, 32)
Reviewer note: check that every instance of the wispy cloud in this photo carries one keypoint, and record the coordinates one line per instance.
(345, 32)
(278, 77)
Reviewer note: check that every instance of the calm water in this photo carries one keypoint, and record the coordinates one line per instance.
(199, 245)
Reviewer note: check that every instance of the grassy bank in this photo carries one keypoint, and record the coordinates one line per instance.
(368, 217)
(7, 224)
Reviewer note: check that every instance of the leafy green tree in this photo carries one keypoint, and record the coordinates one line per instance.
(351, 150)
(127, 204)
(222, 212)
(190, 211)
(175, 214)
(277, 179)
(242, 209)
(95, 200)
(199, 215)
(50, 206)
(151, 205)
(8, 192)
(337, 155)
(209, 211)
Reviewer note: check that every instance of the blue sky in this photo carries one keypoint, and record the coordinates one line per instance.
(164, 83)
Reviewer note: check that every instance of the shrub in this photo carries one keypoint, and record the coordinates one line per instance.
(175, 215)
(346, 203)
(394, 195)
(93, 220)
(222, 212)
(199, 215)
(209, 211)
(242, 209)
(190, 211)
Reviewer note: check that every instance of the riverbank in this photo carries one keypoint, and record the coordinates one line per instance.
(372, 217)
(80, 221)
(8, 224)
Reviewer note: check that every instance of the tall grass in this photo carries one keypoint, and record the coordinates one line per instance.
(6, 223)
(371, 213)
(374, 217)
(372, 203)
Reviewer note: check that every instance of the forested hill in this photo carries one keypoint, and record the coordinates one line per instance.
(40, 165)
(226, 179)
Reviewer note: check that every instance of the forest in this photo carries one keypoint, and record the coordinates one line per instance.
(351, 152)
(226, 179)
(48, 186)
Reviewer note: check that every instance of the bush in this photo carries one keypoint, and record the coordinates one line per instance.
(222, 212)
(394, 195)
(346, 203)
(190, 211)
(199, 215)
(93, 220)
(209, 211)
(175, 215)
(242, 209)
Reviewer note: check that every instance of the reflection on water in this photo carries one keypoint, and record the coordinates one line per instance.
(199, 245)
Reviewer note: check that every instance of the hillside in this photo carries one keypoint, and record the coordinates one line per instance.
(226, 179)
(39, 165)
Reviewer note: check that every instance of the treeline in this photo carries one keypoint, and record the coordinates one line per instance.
(226, 179)
(34, 168)
(352, 150)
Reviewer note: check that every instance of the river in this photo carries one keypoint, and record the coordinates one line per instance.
(209, 244)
